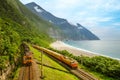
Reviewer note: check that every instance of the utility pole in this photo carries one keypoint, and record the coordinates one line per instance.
(81, 59)
(42, 76)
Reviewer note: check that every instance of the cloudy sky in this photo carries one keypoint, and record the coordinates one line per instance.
(102, 17)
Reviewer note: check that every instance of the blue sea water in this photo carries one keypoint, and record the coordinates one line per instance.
(107, 48)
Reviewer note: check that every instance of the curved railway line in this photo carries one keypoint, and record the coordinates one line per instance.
(81, 74)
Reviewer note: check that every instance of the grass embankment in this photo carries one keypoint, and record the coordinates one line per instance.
(103, 68)
(60, 73)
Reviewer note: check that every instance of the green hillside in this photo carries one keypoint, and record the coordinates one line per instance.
(17, 12)
(18, 24)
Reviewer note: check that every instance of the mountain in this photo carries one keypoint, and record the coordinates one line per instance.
(17, 12)
(72, 32)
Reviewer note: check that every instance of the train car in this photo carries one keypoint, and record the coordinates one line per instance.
(27, 55)
(27, 60)
(70, 62)
(52, 53)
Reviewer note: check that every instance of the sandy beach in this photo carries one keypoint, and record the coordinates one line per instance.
(59, 45)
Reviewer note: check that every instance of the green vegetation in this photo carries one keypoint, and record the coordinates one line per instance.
(103, 65)
(30, 27)
(50, 73)
(9, 42)
(18, 24)
(106, 68)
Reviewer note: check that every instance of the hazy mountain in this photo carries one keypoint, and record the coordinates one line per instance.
(73, 32)
(28, 25)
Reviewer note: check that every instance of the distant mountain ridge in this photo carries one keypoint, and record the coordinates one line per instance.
(70, 31)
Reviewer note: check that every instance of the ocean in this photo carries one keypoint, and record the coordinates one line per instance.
(101, 47)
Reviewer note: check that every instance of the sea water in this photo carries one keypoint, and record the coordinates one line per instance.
(101, 47)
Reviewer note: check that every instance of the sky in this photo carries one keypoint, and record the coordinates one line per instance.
(102, 17)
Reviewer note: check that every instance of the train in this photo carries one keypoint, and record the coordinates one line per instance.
(27, 59)
(27, 55)
(70, 62)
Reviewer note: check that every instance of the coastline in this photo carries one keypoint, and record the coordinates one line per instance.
(59, 45)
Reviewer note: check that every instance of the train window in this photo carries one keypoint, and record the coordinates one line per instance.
(72, 61)
(28, 58)
(65, 57)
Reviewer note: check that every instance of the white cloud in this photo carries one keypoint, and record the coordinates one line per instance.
(106, 33)
(26, 1)
(66, 3)
(94, 21)
(116, 24)
(112, 5)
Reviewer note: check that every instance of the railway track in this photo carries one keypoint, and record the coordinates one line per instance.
(83, 75)
(26, 73)
(78, 72)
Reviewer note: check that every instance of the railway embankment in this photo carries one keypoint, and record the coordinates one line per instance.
(52, 70)
(81, 74)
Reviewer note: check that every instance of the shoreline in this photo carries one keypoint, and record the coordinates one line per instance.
(59, 45)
